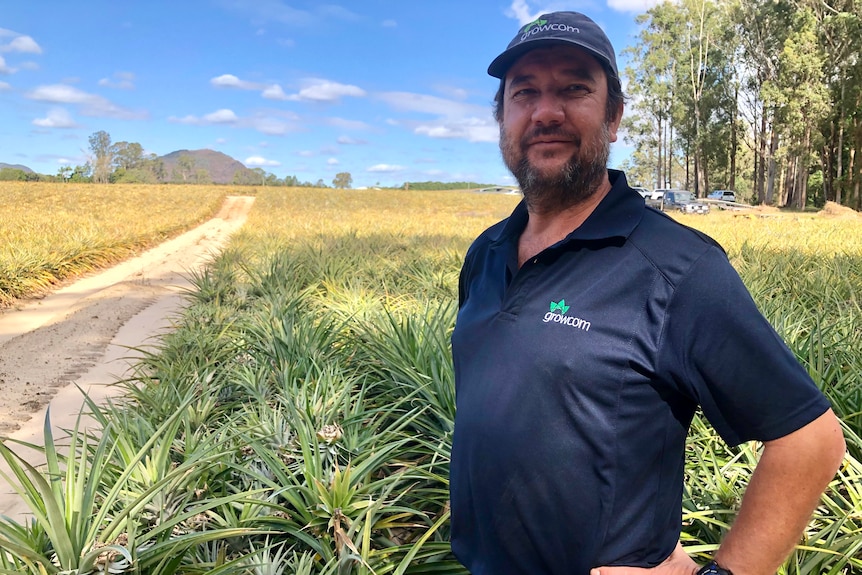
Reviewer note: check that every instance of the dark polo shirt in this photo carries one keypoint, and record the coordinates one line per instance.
(577, 377)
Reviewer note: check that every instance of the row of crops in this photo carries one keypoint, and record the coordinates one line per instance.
(299, 418)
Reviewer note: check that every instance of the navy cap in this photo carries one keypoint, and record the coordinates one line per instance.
(556, 28)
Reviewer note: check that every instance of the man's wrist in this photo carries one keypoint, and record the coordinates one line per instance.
(713, 568)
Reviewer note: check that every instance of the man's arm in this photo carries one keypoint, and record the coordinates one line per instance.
(783, 492)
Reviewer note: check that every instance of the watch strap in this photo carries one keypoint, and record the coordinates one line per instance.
(712, 568)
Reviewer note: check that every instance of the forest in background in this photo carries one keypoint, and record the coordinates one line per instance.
(763, 97)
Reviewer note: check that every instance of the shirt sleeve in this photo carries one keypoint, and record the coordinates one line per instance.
(722, 352)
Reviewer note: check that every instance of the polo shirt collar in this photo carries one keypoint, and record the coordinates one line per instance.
(617, 215)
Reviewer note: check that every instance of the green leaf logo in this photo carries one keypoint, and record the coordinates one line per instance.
(560, 306)
(538, 22)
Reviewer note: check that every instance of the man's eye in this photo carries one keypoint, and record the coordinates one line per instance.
(576, 88)
(522, 93)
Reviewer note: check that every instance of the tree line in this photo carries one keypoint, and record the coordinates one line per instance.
(125, 162)
(763, 97)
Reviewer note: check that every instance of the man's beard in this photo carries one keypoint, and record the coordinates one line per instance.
(578, 179)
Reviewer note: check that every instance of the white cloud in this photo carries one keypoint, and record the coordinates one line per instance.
(332, 162)
(90, 104)
(521, 11)
(190, 119)
(385, 168)
(231, 81)
(24, 44)
(347, 124)
(454, 119)
(260, 161)
(470, 129)
(274, 92)
(120, 81)
(19, 43)
(389, 23)
(272, 125)
(305, 154)
(452, 92)
(326, 91)
(56, 118)
(348, 141)
(223, 116)
(61, 93)
(314, 90)
(4, 69)
(632, 5)
(4, 86)
(426, 104)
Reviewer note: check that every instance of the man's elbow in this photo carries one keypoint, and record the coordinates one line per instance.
(837, 445)
(817, 447)
(826, 443)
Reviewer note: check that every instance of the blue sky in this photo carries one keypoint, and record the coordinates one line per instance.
(388, 91)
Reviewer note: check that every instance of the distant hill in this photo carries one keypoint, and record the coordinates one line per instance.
(16, 167)
(221, 167)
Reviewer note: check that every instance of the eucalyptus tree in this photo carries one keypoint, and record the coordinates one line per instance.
(704, 71)
(103, 154)
(762, 27)
(652, 85)
(801, 101)
(682, 81)
(839, 26)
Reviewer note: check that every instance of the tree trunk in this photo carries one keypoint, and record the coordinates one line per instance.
(770, 175)
(659, 164)
(731, 180)
(839, 169)
(763, 197)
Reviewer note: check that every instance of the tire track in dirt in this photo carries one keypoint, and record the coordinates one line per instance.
(49, 343)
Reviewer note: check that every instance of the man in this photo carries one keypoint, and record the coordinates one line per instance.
(589, 331)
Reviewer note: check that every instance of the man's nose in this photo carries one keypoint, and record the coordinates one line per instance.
(548, 110)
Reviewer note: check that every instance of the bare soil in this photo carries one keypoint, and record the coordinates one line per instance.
(48, 344)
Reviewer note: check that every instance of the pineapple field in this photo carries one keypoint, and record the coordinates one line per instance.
(299, 417)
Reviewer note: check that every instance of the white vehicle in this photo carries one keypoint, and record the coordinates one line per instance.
(658, 193)
(645, 193)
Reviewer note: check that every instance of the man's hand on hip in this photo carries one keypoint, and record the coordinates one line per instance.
(678, 563)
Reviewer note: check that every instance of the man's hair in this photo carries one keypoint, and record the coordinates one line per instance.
(616, 98)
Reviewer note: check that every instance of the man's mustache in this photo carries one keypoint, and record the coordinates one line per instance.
(555, 132)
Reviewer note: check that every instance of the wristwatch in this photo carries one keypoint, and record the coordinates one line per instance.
(712, 568)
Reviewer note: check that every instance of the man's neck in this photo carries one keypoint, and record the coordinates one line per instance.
(547, 227)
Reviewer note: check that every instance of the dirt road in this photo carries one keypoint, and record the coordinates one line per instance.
(50, 343)
(86, 334)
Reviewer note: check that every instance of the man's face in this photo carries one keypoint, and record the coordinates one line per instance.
(554, 136)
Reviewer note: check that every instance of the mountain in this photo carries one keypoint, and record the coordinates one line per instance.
(220, 167)
(16, 167)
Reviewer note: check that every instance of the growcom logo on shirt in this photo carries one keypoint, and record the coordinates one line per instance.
(558, 315)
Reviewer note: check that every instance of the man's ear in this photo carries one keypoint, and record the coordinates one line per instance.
(614, 124)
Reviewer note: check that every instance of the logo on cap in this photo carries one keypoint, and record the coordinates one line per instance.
(541, 26)
(537, 22)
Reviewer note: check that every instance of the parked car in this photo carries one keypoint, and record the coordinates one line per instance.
(658, 193)
(684, 201)
(645, 193)
(723, 195)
